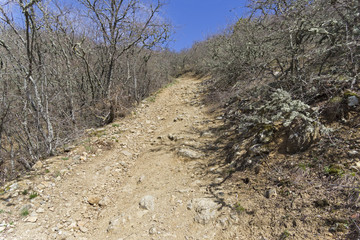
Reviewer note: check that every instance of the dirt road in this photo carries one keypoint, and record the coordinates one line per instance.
(143, 177)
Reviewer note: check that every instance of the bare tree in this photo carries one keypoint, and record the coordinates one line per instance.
(123, 25)
(61, 71)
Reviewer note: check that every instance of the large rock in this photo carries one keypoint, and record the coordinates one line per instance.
(205, 208)
(300, 135)
(353, 101)
(189, 153)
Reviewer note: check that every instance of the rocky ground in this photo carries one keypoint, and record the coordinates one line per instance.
(139, 178)
(159, 174)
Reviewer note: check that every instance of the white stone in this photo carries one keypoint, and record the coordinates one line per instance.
(141, 179)
(83, 229)
(13, 186)
(189, 153)
(205, 208)
(127, 153)
(353, 101)
(353, 153)
(72, 226)
(105, 201)
(152, 231)
(31, 219)
(40, 210)
(113, 224)
(147, 202)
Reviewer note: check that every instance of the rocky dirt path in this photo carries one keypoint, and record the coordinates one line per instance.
(143, 177)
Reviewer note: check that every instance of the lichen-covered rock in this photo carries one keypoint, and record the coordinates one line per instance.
(278, 123)
(300, 135)
(296, 119)
(283, 108)
(279, 109)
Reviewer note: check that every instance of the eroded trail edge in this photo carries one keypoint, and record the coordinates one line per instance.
(143, 177)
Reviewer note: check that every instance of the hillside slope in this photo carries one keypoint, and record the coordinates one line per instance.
(160, 174)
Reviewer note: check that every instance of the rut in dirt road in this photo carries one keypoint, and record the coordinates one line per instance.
(142, 177)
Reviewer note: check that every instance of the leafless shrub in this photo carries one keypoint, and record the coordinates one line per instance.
(291, 44)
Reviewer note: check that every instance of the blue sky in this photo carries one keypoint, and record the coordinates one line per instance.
(195, 20)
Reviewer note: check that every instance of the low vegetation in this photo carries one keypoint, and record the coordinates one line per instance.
(33, 195)
(24, 212)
